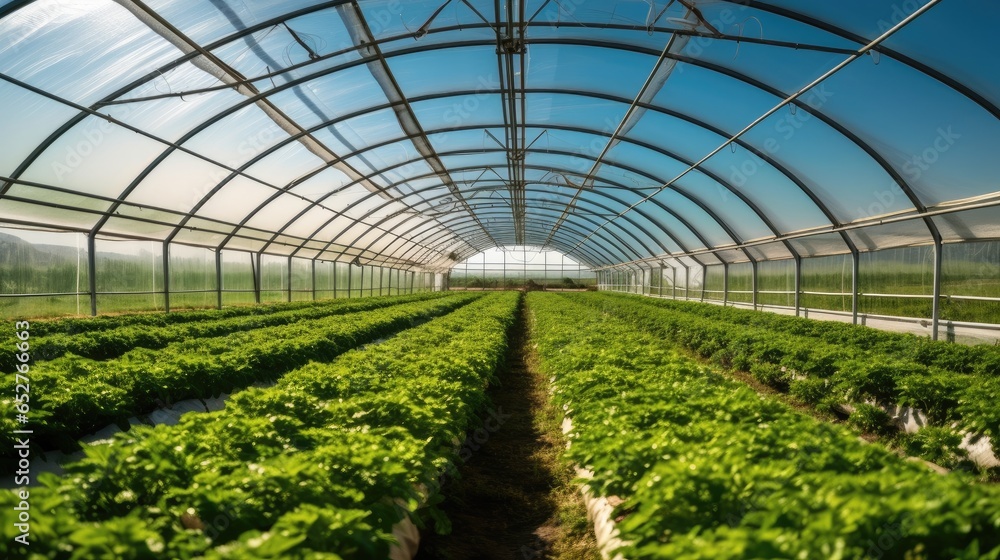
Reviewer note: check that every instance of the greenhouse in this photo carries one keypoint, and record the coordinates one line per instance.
(443, 279)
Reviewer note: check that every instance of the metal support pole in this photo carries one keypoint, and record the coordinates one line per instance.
(362, 281)
(350, 280)
(258, 277)
(166, 277)
(313, 273)
(687, 283)
(660, 279)
(855, 265)
(725, 284)
(92, 272)
(936, 302)
(754, 281)
(673, 282)
(289, 279)
(798, 284)
(335, 281)
(218, 278)
(704, 275)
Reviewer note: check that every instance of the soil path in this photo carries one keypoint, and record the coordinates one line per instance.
(513, 498)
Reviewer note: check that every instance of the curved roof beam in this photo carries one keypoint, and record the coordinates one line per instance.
(361, 35)
(723, 223)
(761, 4)
(224, 113)
(723, 183)
(598, 252)
(535, 211)
(663, 228)
(820, 115)
(477, 168)
(627, 232)
(435, 234)
(948, 81)
(931, 226)
(681, 116)
(240, 105)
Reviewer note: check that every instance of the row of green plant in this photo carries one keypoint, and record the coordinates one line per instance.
(72, 396)
(322, 465)
(826, 364)
(113, 342)
(77, 325)
(709, 468)
(959, 358)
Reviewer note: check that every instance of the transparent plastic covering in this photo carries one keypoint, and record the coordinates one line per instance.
(414, 135)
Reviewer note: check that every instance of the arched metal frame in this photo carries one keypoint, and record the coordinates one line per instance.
(452, 227)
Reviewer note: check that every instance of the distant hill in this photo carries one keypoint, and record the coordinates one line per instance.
(13, 250)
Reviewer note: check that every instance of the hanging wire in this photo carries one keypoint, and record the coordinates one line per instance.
(423, 29)
(156, 84)
(652, 24)
(741, 26)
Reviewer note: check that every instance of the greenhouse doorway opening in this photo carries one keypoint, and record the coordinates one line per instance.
(521, 267)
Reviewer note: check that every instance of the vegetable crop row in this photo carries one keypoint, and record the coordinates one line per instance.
(825, 373)
(709, 468)
(113, 342)
(322, 465)
(71, 397)
(76, 325)
(959, 358)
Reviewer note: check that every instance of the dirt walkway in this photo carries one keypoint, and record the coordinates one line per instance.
(514, 500)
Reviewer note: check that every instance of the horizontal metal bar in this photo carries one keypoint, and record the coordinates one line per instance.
(55, 294)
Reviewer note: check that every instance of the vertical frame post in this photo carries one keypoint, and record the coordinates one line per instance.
(166, 277)
(936, 302)
(218, 277)
(92, 272)
(798, 284)
(855, 266)
(725, 284)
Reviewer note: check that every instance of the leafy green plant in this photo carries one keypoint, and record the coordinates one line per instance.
(870, 418)
(771, 374)
(709, 468)
(328, 459)
(810, 390)
(937, 444)
(82, 395)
